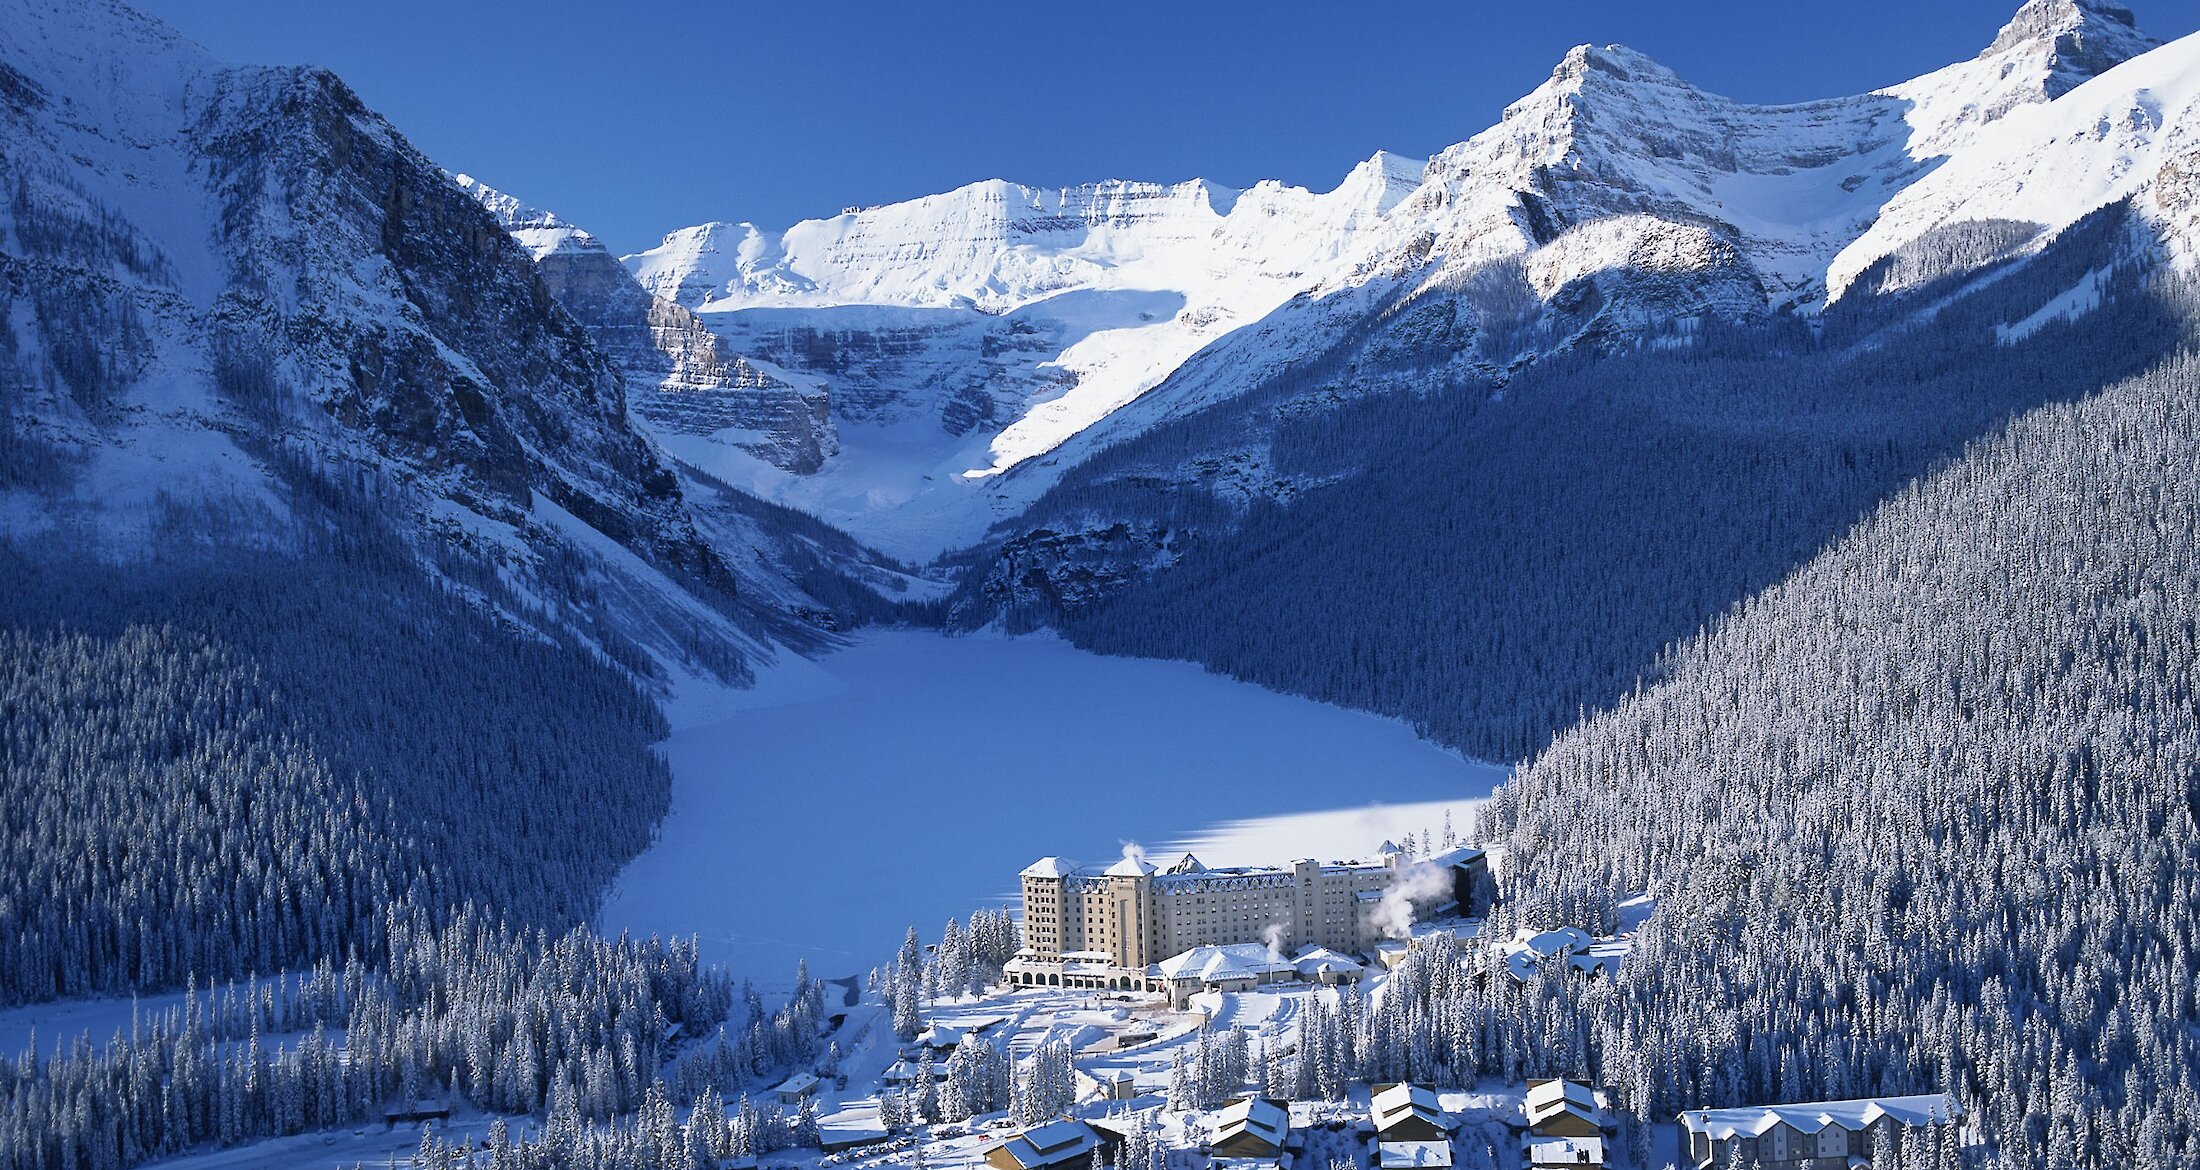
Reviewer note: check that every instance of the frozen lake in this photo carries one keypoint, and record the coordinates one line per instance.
(910, 776)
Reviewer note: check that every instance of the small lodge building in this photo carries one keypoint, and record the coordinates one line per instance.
(794, 1089)
(1817, 1135)
(1236, 967)
(1407, 1113)
(1566, 1153)
(1251, 1127)
(411, 1110)
(1064, 1141)
(1564, 1109)
(1328, 968)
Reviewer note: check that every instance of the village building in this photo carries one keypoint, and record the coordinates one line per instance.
(1251, 1127)
(1237, 967)
(792, 1090)
(411, 1110)
(1406, 1113)
(1330, 968)
(1108, 930)
(1817, 1135)
(1570, 945)
(1562, 1108)
(1064, 1141)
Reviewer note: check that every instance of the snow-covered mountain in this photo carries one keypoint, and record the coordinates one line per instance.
(2131, 133)
(978, 343)
(681, 377)
(965, 333)
(224, 287)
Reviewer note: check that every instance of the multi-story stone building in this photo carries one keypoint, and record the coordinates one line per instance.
(1107, 929)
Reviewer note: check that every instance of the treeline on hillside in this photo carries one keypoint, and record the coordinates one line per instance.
(229, 757)
(1926, 816)
(1490, 567)
(573, 1024)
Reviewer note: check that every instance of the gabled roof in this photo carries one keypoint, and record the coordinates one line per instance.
(942, 1036)
(1314, 960)
(1812, 1116)
(1188, 864)
(1392, 1105)
(1262, 1118)
(1564, 940)
(1133, 867)
(1451, 858)
(1549, 1099)
(1548, 1092)
(1064, 1141)
(1051, 867)
(1214, 964)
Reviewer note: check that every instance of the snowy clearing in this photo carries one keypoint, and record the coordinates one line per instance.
(909, 778)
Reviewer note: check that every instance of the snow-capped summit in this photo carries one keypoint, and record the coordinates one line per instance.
(2079, 40)
(979, 340)
(2132, 133)
(993, 244)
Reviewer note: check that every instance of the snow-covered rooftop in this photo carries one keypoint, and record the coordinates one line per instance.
(1215, 964)
(1318, 960)
(1057, 1143)
(1051, 867)
(1582, 953)
(1397, 1103)
(1812, 1116)
(1255, 1115)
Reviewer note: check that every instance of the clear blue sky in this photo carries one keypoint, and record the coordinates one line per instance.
(635, 118)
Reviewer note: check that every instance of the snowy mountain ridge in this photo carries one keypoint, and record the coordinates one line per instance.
(979, 341)
(226, 288)
(681, 377)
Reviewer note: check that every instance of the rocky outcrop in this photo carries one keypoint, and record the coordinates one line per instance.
(680, 377)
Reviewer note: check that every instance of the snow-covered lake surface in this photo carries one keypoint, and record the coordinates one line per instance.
(910, 776)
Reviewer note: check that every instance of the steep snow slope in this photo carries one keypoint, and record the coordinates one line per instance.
(681, 378)
(2131, 133)
(979, 342)
(220, 286)
(965, 333)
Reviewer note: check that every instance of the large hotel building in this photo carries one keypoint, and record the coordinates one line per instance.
(1109, 928)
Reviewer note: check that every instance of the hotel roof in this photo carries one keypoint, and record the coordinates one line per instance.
(1812, 1116)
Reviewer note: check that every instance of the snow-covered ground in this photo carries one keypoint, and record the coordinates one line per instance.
(911, 776)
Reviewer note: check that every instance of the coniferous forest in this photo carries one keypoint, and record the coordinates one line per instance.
(1490, 562)
(240, 754)
(365, 532)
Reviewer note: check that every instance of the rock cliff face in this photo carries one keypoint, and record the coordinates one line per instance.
(681, 378)
(223, 286)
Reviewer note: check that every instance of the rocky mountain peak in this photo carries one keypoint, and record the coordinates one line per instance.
(2081, 38)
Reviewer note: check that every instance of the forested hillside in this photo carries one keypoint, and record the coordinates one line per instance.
(238, 753)
(1488, 562)
(1924, 816)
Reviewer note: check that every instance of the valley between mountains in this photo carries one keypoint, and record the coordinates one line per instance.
(1706, 590)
